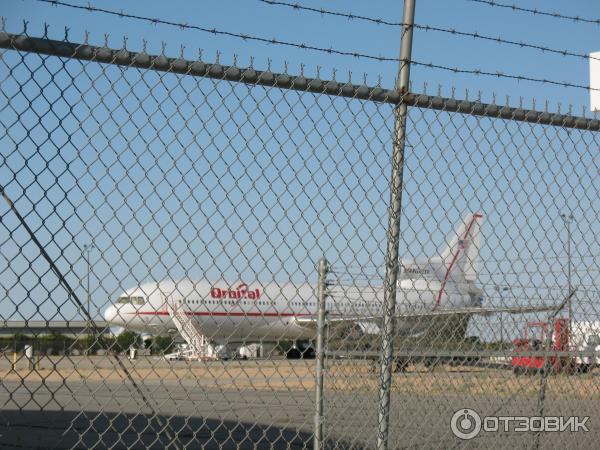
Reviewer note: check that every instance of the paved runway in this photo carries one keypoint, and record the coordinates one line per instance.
(85, 412)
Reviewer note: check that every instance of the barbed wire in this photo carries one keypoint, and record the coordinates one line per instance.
(512, 260)
(500, 277)
(330, 50)
(243, 36)
(501, 40)
(537, 11)
(452, 31)
(513, 286)
(326, 12)
(495, 277)
(498, 74)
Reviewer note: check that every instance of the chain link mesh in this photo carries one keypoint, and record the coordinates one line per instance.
(193, 210)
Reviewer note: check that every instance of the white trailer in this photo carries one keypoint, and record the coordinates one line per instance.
(585, 337)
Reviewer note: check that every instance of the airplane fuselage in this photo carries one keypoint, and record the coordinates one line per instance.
(269, 311)
(251, 311)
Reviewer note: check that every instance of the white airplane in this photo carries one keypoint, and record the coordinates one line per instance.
(251, 311)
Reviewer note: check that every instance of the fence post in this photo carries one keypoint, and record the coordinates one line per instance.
(320, 353)
(546, 367)
(393, 233)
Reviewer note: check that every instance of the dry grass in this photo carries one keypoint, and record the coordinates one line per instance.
(343, 376)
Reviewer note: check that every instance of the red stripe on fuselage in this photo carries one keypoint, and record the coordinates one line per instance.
(221, 314)
(454, 258)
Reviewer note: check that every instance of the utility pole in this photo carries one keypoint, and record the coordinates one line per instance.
(501, 289)
(393, 233)
(87, 248)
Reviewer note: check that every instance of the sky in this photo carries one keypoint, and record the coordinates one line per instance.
(256, 18)
(172, 177)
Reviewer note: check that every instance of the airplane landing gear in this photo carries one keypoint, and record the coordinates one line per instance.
(300, 350)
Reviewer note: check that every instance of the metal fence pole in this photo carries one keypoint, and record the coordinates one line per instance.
(550, 323)
(323, 268)
(393, 234)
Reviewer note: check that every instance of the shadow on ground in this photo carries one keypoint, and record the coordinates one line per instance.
(75, 430)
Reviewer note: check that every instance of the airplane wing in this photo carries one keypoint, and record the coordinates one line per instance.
(484, 311)
(366, 321)
(476, 310)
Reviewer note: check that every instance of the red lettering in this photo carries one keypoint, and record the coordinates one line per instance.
(235, 293)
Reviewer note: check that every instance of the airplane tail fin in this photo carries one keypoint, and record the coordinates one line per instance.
(459, 259)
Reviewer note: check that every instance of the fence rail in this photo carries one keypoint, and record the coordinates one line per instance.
(162, 63)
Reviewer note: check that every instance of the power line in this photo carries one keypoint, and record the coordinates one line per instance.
(537, 11)
(331, 51)
(452, 31)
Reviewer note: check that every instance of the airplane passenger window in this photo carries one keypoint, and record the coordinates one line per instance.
(134, 300)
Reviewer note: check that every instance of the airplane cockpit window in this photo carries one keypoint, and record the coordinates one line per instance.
(131, 300)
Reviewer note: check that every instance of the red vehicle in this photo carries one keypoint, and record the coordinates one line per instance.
(529, 350)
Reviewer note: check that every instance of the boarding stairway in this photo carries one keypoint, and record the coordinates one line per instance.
(199, 347)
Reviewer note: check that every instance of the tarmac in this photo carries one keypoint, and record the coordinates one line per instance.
(87, 402)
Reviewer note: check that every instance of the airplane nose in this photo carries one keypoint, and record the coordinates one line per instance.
(110, 314)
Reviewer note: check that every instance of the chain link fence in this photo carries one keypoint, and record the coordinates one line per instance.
(177, 210)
